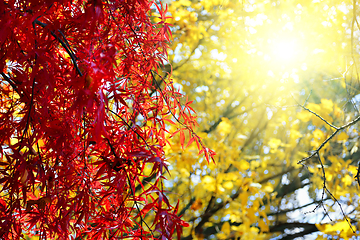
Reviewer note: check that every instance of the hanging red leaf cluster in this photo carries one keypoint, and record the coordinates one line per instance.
(82, 114)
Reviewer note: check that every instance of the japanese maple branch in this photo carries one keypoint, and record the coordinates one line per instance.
(29, 113)
(137, 206)
(193, 134)
(167, 102)
(132, 190)
(68, 45)
(31, 100)
(65, 45)
(129, 127)
(12, 83)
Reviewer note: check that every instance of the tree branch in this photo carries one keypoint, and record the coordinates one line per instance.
(65, 45)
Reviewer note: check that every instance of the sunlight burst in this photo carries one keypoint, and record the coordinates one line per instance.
(285, 51)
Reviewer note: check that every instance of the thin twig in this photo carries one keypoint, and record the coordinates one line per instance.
(317, 153)
(317, 115)
(338, 129)
(137, 206)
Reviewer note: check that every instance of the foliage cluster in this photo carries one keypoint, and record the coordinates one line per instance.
(83, 117)
(93, 118)
(275, 85)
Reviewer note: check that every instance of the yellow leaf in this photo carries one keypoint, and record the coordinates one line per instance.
(184, 172)
(274, 143)
(304, 116)
(220, 235)
(263, 215)
(243, 197)
(319, 110)
(314, 107)
(342, 136)
(328, 228)
(295, 134)
(244, 165)
(318, 134)
(209, 183)
(320, 237)
(185, 3)
(208, 180)
(41, 143)
(251, 214)
(256, 205)
(228, 185)
(148, 169)
(254, 164)
(327, 105)
(268, 188)
(347, 180)
(321, 227)
(225, 228)
(220, 188)
(311, 169)
(353, 170)
(263, 226)
(224, 126)
(13, 141)
(333, 159)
